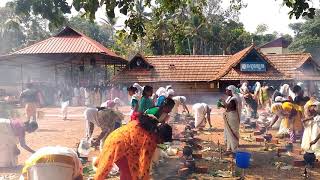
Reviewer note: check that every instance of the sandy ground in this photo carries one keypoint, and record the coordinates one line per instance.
(55, 131)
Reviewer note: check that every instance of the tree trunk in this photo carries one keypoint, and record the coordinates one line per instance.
(224, 51)
(194, 47)
(162, 48)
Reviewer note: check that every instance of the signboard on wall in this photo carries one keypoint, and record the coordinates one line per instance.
(253, 67)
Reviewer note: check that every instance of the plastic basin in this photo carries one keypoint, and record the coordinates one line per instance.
(243, 159)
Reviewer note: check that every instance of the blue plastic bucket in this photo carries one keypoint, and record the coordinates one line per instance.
(243, 159)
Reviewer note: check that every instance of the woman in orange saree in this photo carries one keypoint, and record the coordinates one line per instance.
(131, 148)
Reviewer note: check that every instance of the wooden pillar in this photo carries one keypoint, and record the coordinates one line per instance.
(105, 70)
(21, 73)
(71, 74)
(83, 69)
(94, 75)
(114, 69)
(55, 75)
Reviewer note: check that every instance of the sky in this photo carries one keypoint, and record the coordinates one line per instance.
(269, 12)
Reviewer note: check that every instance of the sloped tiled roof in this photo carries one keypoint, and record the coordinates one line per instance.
(208, 68)
(271, 74)
(67, 41)
(290, 64)
(233, 61)
(229, 72)
(139, 55)
(280, 42)
(175, 68)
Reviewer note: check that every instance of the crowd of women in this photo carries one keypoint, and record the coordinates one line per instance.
(131, 147)
(294, 109)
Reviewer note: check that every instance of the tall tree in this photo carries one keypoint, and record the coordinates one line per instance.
(307, 36)
(54, 10)
(18, 30)
(261, 29)
(102, 33)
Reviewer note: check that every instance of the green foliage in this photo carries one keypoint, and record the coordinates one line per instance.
(8, 111)
(260, 39)
(185, 31)
(261, 29)
(169, 27)
(101, 33)
(307, 36)
(300, 8)
(18, 30)
(54, 10)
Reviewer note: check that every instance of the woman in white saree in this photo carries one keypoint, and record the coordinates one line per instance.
(202, 114)
(309, 123)
(231, 116)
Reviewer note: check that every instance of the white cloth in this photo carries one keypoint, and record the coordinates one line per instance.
(257, 88)
(76, 92)
(54, 170)
(117, 100)
(8, 144)
(232, 121)
(134, 97)
(279, 99)
(64, 109)
(139, 88)
(170, 92)
(307, 136)
(200, 111)
(309, 127)
(244, 88)
(87, 94)
(315, 132)
(284, 90)
(107, 104)
(178, 100)
(161, 92)
(90, 115)
(82, 90)
(231, 130)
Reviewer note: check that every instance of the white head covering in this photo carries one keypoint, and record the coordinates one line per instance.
(258, 87)
(161, 92)
(183, 99)
(117, 100)
(233, 89)
(279, 99)
(284, 90)
(235, 96)
(300, 84)
(170, 92)
(244, 88)
(168, 87)
(139, 88)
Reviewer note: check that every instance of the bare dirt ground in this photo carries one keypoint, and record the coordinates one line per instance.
(55, 131)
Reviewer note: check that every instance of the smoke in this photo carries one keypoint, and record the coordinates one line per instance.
(194, 93)
(12, 78)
